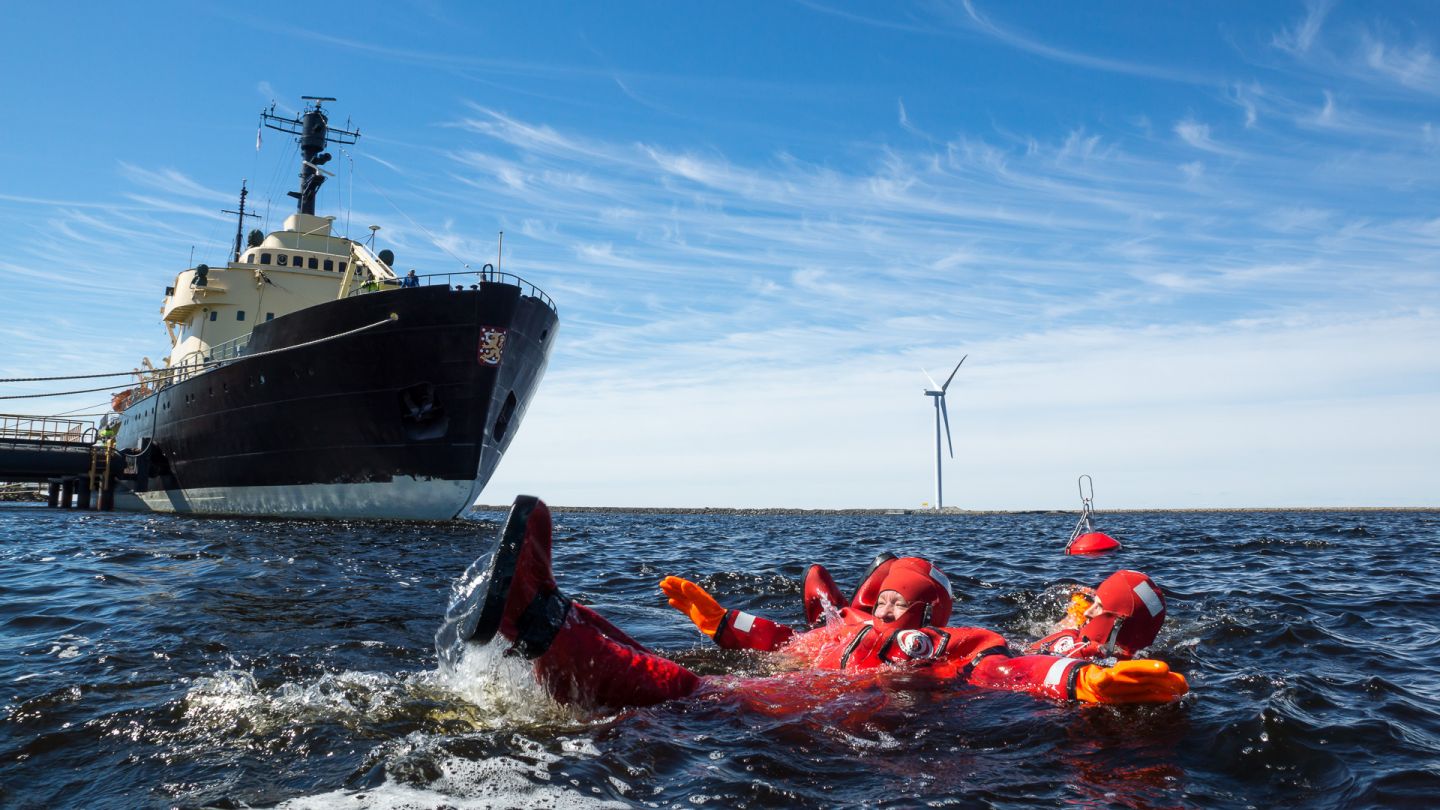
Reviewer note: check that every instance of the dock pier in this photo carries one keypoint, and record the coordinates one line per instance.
(66, 454)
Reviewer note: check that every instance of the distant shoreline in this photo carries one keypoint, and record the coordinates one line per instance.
(788, 512)
(26, 498)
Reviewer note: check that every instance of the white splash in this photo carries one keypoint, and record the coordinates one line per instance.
(498, 782)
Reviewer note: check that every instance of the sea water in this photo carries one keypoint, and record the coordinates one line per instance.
(160, 661)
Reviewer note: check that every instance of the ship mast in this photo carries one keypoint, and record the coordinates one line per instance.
(240, 226)
(315, 133)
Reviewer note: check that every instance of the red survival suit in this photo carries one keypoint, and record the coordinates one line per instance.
(581, 658)
(855, 639)
(1131, 609)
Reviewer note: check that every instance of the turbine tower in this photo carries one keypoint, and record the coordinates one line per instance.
(942, 417)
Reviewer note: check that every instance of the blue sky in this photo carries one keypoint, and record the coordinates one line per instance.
(1192, 251)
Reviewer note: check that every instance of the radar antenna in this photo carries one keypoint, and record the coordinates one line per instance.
(315, 134)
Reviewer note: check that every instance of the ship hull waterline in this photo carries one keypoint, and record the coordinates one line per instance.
(391, 500)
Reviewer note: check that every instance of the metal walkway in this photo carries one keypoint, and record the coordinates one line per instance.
(61, 452)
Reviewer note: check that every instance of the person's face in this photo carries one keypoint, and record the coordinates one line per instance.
(889, 605)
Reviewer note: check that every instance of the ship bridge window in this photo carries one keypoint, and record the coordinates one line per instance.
(214, 314)
(282, 259)
(329, 265)
(342, 267)
(239, 314)
(264, 258)
(299, 261)
(314, 263)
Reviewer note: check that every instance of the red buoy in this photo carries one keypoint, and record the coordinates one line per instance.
(1092, 543)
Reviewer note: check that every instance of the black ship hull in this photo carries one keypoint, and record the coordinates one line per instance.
(406, 419)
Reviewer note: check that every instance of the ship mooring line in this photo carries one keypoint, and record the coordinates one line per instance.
(71, 377)
(59, 393)
(86, 408)
(393, 317)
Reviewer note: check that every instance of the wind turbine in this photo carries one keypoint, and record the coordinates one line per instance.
(942, 416)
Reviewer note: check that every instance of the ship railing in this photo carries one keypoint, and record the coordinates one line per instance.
(229, 350)
(45, 431)
(202, 360)
(469, 280)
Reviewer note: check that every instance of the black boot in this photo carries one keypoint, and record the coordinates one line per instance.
(517, 596)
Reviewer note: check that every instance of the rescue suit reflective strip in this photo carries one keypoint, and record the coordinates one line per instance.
(746, 631)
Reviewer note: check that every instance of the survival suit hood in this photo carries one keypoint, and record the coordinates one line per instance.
(1134, 609)
(916, 579)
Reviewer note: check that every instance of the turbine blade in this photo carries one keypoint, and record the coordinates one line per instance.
(952, 374)
(933, 384)
(946, 416)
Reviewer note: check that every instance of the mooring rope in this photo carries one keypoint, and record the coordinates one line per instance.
(197, 367)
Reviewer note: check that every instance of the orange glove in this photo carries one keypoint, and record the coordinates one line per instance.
(1142, 681)
(692, 600)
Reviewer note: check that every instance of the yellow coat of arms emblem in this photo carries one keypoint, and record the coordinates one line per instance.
(492, 345)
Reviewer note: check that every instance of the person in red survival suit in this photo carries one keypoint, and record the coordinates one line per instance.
(898, 615)
(581, 658)
(1115, 620)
